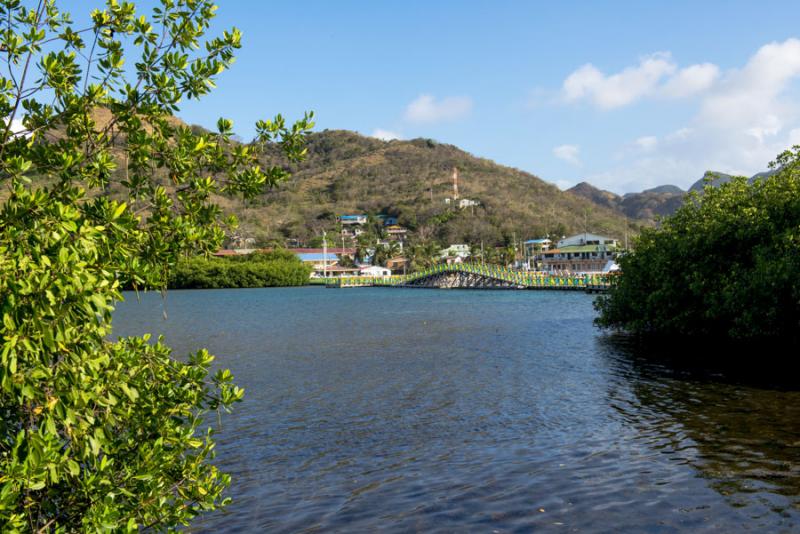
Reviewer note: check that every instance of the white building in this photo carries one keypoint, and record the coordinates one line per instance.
(375, 270)
(456, 251)
(585, 238)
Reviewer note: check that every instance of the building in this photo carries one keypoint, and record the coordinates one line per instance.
(396, 232)
(462, 203)
(334, 271)
(318, 259)
(535, 246)
(374, 270)
(398, 265)
(353, 219)
(533, 252)
(351, 231)
(586, 239)
(347, 251)
(581, 253)
(459, 251)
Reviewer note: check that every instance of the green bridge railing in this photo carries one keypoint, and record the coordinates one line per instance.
(495, 272)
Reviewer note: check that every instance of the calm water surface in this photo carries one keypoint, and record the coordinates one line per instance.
(482, 411)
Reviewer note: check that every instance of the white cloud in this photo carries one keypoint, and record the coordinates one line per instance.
(16, 127)
(568, 153)
(563, 184)
(618, 89)
(744, 119)
(794, 137)
(656, 75)
(385, 135)
(677, 135)
(425, 108)
(647, 142)
(691, 80)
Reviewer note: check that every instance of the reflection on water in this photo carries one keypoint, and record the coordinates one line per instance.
(413, 410)
(740, 433)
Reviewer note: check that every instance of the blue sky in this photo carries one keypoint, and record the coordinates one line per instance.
(626, 95)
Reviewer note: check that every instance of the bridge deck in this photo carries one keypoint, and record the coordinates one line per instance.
(480, 276)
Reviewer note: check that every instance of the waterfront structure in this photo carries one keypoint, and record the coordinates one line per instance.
(586, 239)
(334, 271)
(398, 265)
(533, 252)
(374, 270)
(484, 276)
(536, 246)
(581, 253)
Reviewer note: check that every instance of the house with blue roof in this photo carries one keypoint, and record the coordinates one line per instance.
(318, 258)
(353, 219)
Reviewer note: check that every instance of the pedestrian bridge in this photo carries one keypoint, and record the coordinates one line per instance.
(481, 276)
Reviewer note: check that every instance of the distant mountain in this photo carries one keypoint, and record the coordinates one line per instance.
(762, 175)
(712, 177)
(665, 189)
(656, 202)
(598, 196)
(718, 178)
(646, 206)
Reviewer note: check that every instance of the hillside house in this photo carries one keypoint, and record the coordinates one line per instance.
(396, 232)
(357, 219)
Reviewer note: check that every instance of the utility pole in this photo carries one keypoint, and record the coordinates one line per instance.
(455, 183)
(324, 255)
(626, 233)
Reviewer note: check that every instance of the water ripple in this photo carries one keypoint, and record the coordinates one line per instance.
(442, 411)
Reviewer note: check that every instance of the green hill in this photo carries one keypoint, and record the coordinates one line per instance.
(348, 173)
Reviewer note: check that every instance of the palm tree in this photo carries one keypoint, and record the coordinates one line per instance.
(381, 255)
(362, 248)
(508, 255)
(394, 249)
(424, 255)
(475, 253)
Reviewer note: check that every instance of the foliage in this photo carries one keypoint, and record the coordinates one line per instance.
(725, 265)
(273, 269)
(386, 252)
(348, 173)
(424, 255)
(95, 434)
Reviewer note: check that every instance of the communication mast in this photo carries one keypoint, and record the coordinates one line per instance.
(455, 183)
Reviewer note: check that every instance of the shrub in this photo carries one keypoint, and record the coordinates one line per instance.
(106, 189)
(726, 264)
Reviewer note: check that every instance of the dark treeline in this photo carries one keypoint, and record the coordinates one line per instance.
(278, 268)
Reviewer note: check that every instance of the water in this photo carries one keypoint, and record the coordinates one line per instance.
(489, 411)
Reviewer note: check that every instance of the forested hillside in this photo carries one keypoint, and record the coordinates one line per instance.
(349, 173)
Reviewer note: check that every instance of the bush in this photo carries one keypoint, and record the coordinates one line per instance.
(727, 265)
(274, 269)
(106, 189)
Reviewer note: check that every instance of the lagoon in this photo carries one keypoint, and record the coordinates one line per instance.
(455, 410)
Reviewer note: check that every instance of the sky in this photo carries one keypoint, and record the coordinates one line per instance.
(624, 95)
